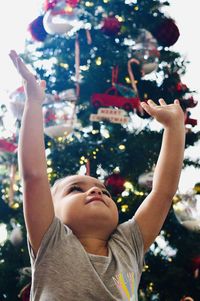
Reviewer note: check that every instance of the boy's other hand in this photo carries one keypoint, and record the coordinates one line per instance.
(168, 115)
(34, 90)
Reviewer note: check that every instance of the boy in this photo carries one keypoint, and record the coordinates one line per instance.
(78, 251)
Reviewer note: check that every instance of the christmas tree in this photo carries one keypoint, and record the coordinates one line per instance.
(100, 59)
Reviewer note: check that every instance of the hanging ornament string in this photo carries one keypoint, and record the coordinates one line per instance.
(12, 183)
(115, 72)
(88, 167)
(77, 75)
(77, 69)
(77, 60)
(88, 36)
(77, 65)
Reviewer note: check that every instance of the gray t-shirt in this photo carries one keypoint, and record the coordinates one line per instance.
(64, 271)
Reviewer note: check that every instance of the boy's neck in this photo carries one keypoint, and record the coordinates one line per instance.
(95, 246)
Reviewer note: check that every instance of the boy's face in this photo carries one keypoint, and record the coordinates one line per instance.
(84, 204)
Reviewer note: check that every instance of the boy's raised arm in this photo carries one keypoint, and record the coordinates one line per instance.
(153, 211)
(38, 206)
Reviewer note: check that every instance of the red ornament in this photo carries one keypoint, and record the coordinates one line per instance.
(7, 146)
(111, 26)
(190, 102)
(25, 293)
(50, 116)
(196, 266)
(49, 4)
(166, 33)
(37, 30)
(72, 3)
(112, 97)
(180, 87)
(115, 183)
(188, 120)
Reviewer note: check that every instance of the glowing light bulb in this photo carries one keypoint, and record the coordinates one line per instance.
(49, 170)
(89, 4)
(124, 208)
(98, 61)
(3, 233)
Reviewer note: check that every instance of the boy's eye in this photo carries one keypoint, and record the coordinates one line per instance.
(75, 188)
(106, 193)
(78, 188)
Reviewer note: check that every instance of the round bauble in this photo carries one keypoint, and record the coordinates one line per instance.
(72, 3)
(49, 4)
(146, 51)
(196, 265)
(58, 119)
(7, 146)
(17, 101)
(146, 180)
(111, 26)
(149, 67)
(25, 293)
(115, 184)
(16, 236)
(37, 30)
(187, 211)
(61, 19)
(166, 32)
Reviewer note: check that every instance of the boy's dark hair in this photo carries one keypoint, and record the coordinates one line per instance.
(56, 185)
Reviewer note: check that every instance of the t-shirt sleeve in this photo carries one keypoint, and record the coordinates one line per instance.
(133, 237)
(56, 232)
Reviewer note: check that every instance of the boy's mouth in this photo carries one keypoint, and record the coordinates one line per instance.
(95, 198)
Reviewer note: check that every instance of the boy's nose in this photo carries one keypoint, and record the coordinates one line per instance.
(95, 190)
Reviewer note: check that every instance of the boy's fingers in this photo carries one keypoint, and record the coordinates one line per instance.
(147, 108)
(19, 64)
(151, 102)
(176, 101)
(162, 102)
(13, 56)
(22, 69)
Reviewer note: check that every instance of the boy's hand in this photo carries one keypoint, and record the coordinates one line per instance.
(34, 91)
(168, 115)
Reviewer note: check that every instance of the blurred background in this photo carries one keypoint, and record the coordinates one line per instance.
(101, 58)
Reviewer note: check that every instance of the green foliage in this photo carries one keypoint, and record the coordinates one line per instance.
(167, 278)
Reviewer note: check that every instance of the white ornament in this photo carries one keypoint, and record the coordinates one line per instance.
(68, 95)
(149, 67)
(146, 179)
(16, 104)
(16, 237)
(60, 23)
(146, 51)
(59, 119)
(187, 211)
